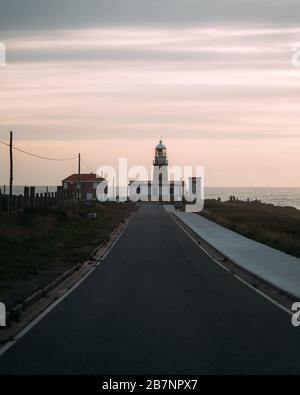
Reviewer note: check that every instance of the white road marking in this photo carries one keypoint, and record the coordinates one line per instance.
(235, 275)
(34, 322)
(115, 241)
(202, 248)
(264, 295)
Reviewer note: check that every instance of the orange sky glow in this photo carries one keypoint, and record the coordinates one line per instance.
(227, 98)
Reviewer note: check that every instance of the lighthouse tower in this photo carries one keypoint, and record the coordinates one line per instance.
(160, 171)
(161, 158)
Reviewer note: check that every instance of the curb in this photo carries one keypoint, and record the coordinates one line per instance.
(279, 295)
(14, 314)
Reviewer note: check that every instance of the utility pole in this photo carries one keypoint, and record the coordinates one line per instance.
(11, 172)
(78, 180)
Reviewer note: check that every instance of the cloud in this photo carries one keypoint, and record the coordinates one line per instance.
(213, 77)
(57, 14)
(205, 82)
(259, 46)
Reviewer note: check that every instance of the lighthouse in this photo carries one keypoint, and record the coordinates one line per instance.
(159, 188)
(161, 158)
(160, 182)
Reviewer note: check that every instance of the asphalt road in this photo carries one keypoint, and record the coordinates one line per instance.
(157, 304)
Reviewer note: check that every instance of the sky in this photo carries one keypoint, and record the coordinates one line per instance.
(108, 78)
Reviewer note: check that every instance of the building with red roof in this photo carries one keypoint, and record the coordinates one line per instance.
(87, 188)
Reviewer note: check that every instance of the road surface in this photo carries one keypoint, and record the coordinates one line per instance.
(157, 304)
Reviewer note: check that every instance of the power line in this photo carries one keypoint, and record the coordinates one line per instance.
(39, 156)
(48, 158)
(87, 166)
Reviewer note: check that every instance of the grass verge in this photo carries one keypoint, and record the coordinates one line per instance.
(38, 245)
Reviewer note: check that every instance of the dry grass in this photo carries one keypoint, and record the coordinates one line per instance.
(37, 246)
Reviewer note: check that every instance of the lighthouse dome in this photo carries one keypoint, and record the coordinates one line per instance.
(160, 155)
(160, 145)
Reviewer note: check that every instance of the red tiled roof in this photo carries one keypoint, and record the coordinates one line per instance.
(91, 177)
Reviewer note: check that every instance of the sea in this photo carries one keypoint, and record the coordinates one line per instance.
(276, 196)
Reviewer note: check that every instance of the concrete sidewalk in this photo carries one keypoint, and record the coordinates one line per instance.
(277, 268)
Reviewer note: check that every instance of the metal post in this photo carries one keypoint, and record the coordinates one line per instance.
(11, 171)
(78, 180)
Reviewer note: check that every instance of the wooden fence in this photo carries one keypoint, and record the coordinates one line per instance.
(31, 200)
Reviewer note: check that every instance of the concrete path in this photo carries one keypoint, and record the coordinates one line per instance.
(278, 268)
